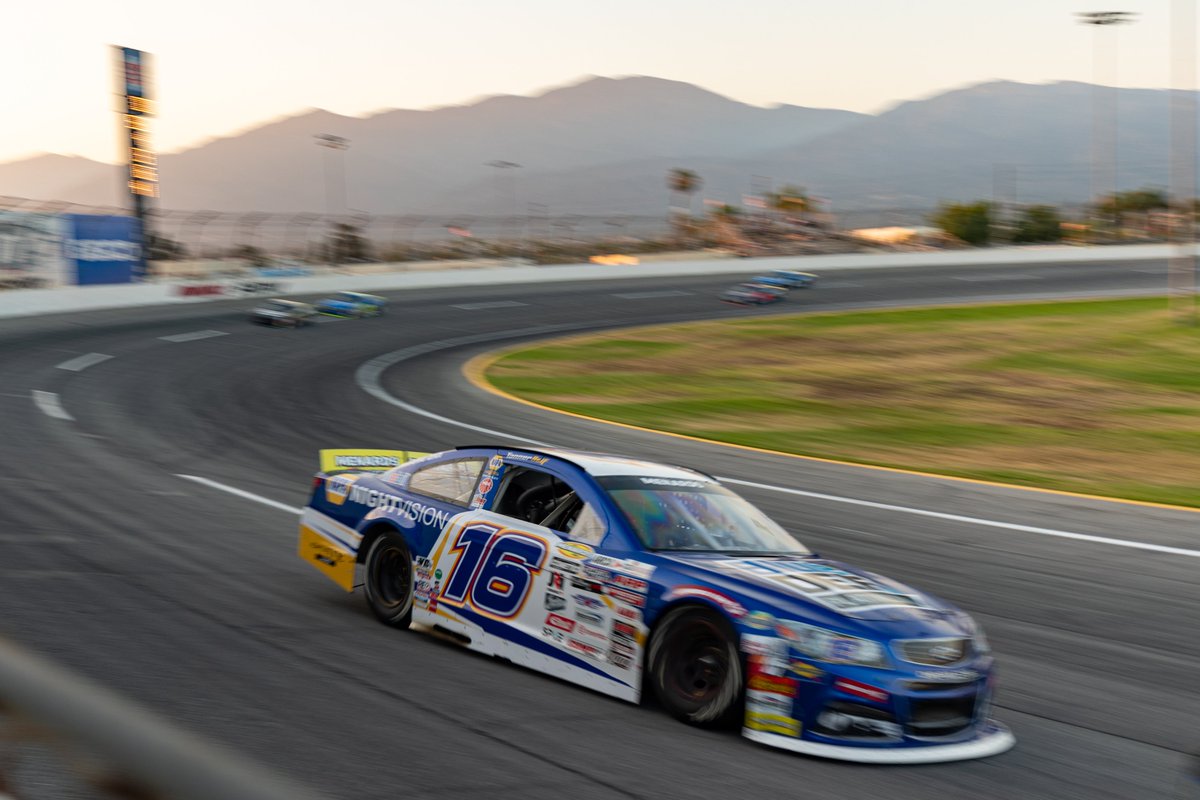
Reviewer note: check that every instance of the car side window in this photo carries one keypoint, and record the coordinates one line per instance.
(534, 496)
(452, 481)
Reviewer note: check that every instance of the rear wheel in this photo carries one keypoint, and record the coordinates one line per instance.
(695, 667)
(388, 583)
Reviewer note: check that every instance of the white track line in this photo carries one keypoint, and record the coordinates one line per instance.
(190, 337)
(50, 405)
(83, 362)
(653, 295)
(991, 523)
(266, 501)
(492, 304)
(368, 377)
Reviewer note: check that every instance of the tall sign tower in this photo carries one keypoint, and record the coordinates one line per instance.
(136, 109)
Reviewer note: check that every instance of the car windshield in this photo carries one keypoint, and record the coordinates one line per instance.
(696, 516)
(346, 297)
(278, 306)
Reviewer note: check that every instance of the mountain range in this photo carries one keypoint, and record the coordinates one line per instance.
(605, 145)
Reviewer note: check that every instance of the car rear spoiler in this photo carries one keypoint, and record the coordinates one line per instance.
(366, 460)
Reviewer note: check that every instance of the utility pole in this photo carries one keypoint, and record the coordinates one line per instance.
(501, 167)
(334, 145)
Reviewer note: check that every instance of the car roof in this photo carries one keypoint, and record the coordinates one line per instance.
(603, 464)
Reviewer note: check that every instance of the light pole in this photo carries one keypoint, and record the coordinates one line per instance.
(1181, 268)
(333, 144)
(501, 167)
(1104, 151)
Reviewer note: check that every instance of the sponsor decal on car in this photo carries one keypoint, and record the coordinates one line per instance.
(760, 682)
(350, 462)
(595, 587)
(806, 671)
(591, 651)
(560, 622)
(628, 566)
(826, 584)
(510, 456)
(864, 690)
(574, 550)
(622, 648)
(586, 601)
(727, 604)
(564, 565)
(551, 633)
(949, 675)
(620, 660)
(680, 482)
(590, 632)
(596, 574)
(400, 506)
(625, 596)
(632, 584)
(772, 723)
(623, 630)
(337, 488)
(760, 620)
(629, 613)
(590, 617)
(770, 702)
(555, 602)
(556, 581)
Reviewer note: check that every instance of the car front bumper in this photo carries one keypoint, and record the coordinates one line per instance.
(991, 738)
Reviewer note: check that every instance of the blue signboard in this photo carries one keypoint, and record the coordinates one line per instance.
(104, 249)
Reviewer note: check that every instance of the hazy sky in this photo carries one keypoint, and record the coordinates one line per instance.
(224, 65)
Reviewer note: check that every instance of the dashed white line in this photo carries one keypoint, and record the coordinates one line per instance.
(1007, 276)
(492, 304)
(83, 362)
(266, 501)
(190, 337)
(50, 405)
(652, 295)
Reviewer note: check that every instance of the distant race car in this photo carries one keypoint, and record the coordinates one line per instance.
(793, 279)
(618, 574)
(284, 313)
(352, 304)
(753, 294)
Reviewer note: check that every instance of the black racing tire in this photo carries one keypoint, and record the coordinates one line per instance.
(388, 580)
(696, 669)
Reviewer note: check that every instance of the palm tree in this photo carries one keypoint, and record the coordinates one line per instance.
(685, 182)
(791, 201)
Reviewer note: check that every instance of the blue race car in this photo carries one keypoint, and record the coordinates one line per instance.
(352, 304)
(793, 279)
(622, 575)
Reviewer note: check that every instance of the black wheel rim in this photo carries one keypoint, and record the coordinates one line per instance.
(390, 571)
(696, 665)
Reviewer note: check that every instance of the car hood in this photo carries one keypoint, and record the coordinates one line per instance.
(827, 589)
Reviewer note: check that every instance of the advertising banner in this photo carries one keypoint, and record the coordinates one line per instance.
(103, 249)
(31, 251)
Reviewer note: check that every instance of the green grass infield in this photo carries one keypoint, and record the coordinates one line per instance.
(1097, 397)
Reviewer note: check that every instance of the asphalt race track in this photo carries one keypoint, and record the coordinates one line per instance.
(190, 600)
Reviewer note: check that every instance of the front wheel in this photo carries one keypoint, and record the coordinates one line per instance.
(695, 667)
(388, 583)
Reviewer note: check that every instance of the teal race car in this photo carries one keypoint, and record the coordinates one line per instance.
(352, 304)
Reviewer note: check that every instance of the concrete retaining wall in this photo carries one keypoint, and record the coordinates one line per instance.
(28, 302)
